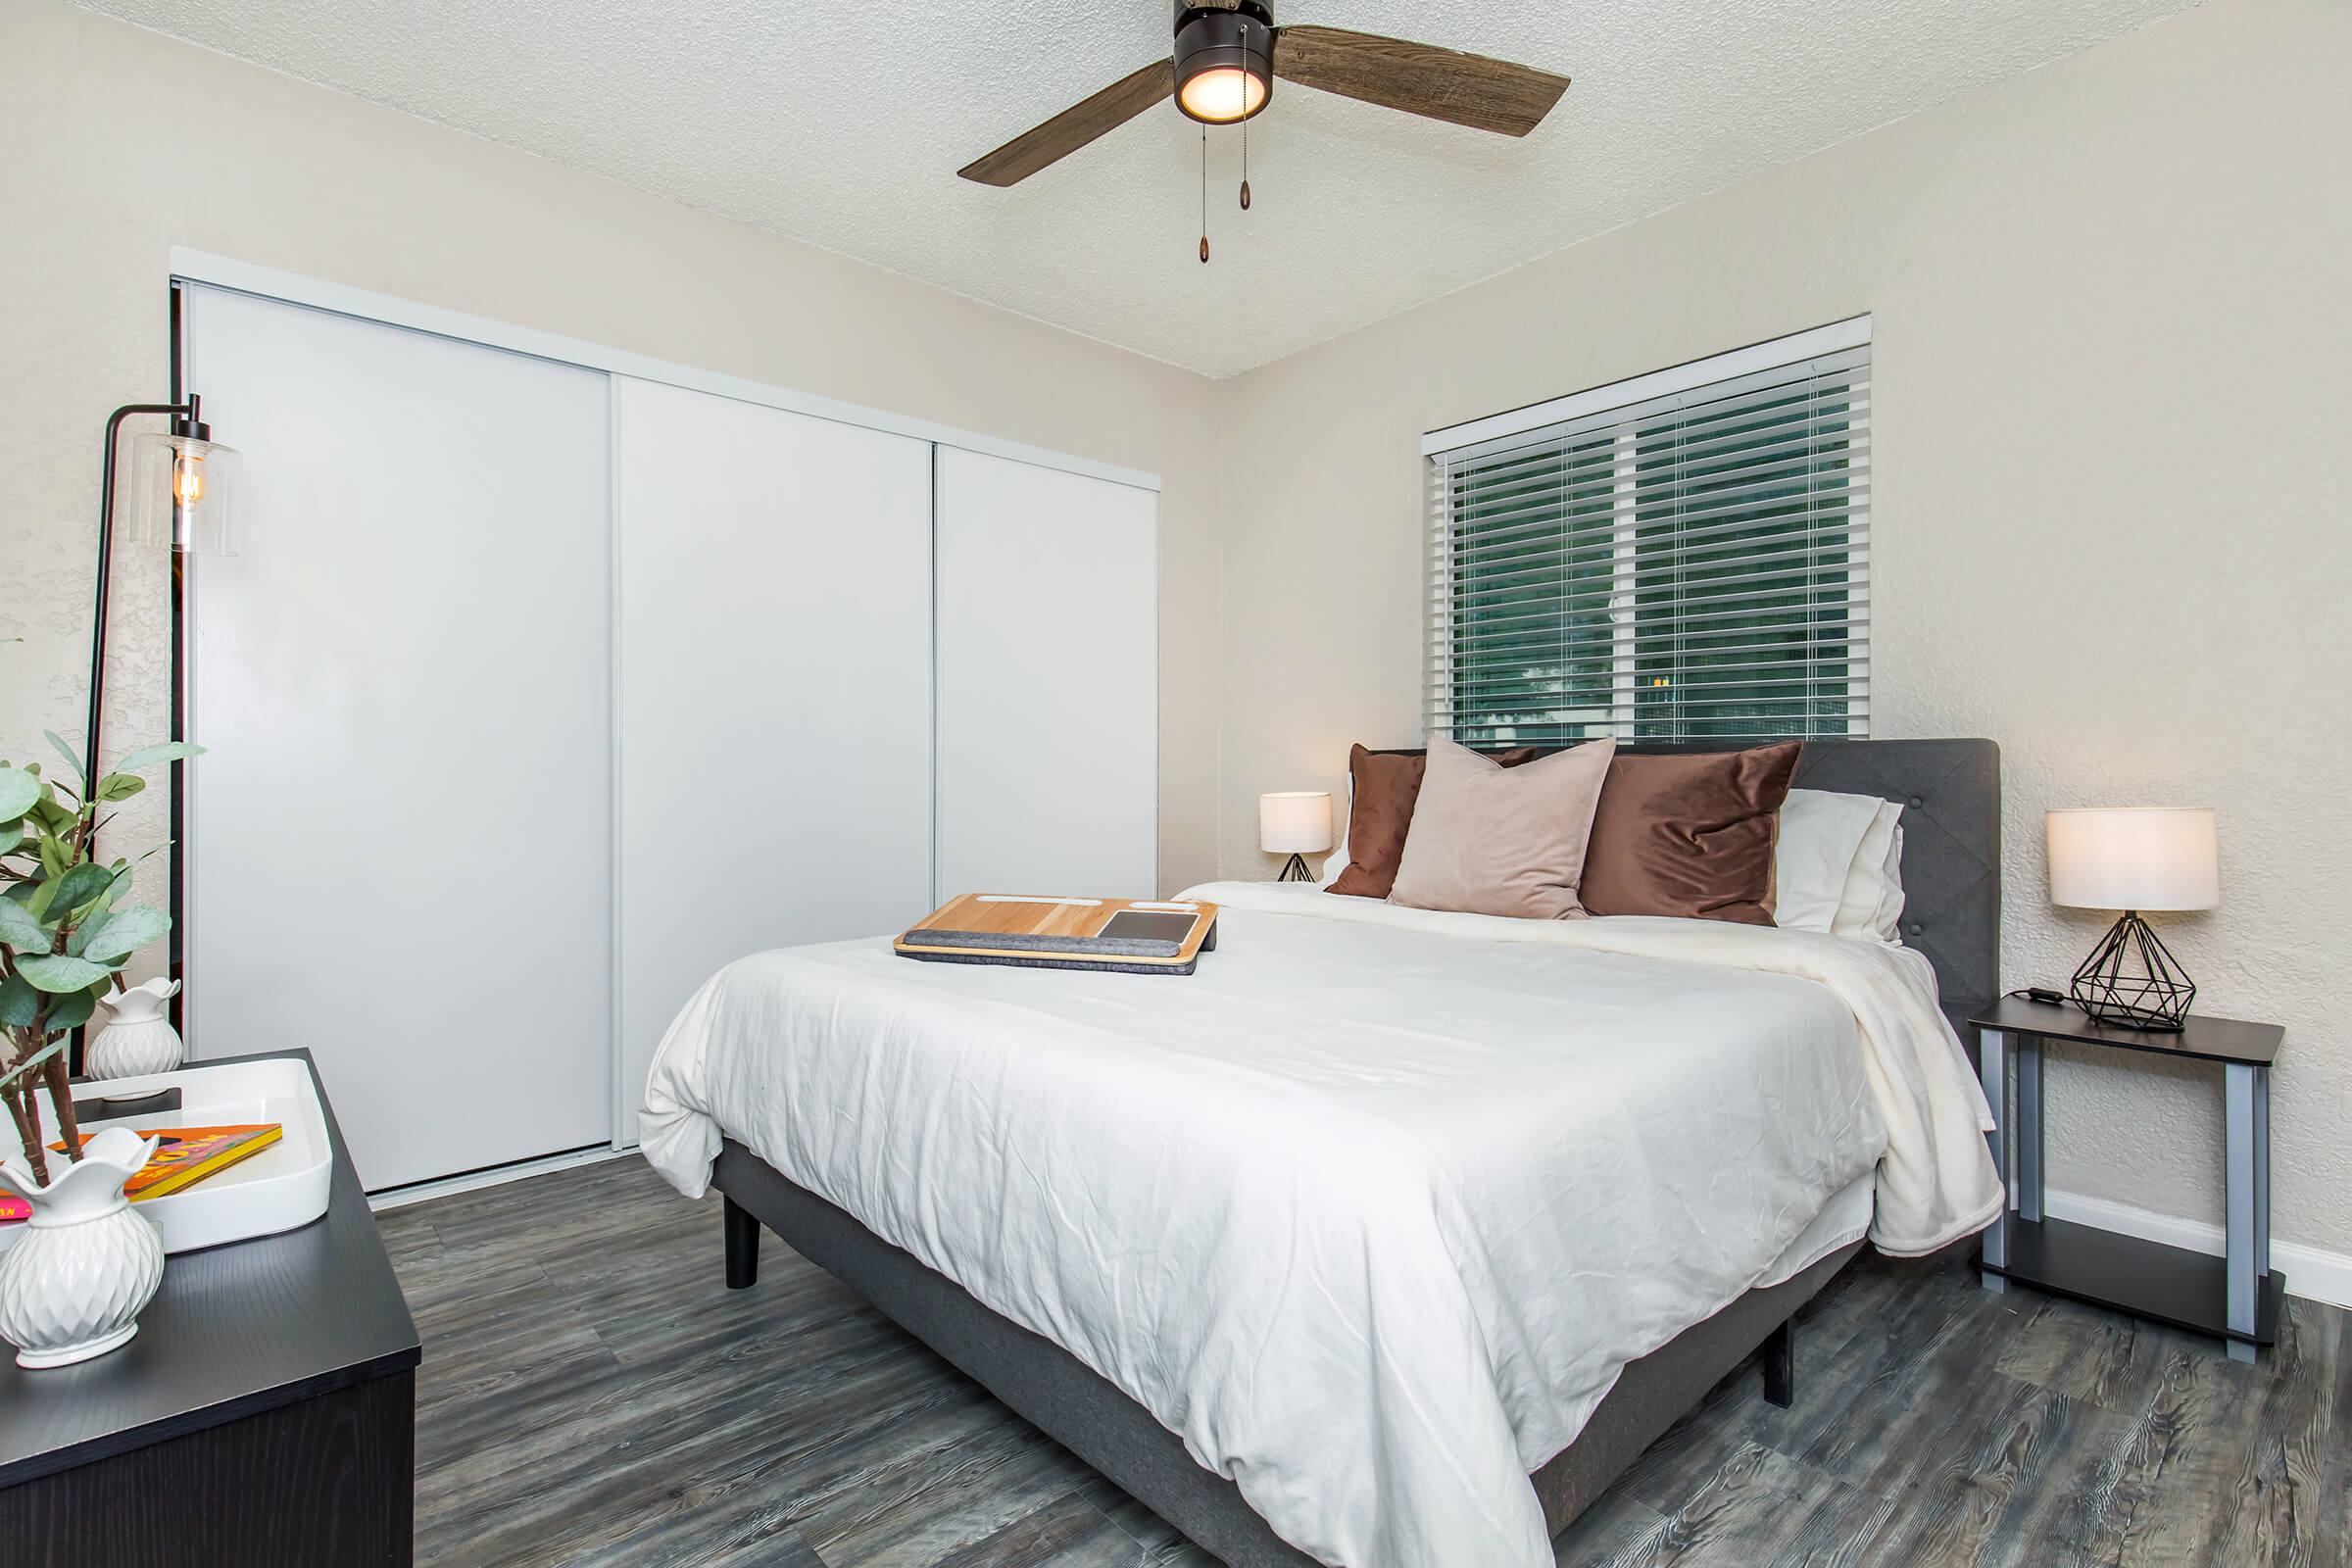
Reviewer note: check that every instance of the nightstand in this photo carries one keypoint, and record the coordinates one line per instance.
(264, 1416)
(2237, 1297)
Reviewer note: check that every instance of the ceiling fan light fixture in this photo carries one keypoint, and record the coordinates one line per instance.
(1224, 63)
(1223, 95)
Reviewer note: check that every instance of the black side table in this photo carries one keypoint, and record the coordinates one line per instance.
(263, 1417)
(2237, 1298)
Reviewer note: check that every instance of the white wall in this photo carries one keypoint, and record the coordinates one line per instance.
(2110, 526)
(121, 143)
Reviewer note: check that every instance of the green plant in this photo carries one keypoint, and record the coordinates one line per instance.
(65, 931)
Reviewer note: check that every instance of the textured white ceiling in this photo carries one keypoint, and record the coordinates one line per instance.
(844, 126)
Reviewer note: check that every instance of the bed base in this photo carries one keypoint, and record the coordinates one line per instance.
(1059, 1394)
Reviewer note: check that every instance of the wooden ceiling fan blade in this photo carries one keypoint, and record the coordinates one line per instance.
(1419, 78)
(1075, 126)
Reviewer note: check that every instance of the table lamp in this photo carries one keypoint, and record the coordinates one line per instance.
(1297, 823)
(2134, 858)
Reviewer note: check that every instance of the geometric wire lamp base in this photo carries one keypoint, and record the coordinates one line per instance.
(2132, 979)
(1295, 869)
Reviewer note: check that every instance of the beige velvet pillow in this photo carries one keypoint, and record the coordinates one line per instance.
(1491, 840)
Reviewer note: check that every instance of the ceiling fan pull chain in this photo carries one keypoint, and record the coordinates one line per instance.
(1203, 195)
(1245, 163)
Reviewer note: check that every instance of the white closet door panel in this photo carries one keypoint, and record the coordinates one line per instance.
(1049, 681)
(775, 692)
(399, 842)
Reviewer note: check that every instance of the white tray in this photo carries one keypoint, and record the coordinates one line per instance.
(284, 1186)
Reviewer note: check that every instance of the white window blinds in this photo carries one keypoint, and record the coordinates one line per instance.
(1681, 557)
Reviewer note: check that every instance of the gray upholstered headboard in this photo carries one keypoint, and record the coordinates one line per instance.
(1950, 792)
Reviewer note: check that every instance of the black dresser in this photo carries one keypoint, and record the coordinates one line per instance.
(266, 1415)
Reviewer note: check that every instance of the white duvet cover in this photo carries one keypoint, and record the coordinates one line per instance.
(1372, 1209)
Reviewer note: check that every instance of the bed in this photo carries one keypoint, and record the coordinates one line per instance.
(1389, 1238)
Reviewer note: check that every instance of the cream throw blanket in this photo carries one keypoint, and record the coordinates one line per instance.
(1936, 1180)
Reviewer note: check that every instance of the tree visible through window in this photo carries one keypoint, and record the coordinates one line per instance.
(1692, 565)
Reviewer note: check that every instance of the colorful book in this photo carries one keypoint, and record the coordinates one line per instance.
(183, 1156)
(186, 1155)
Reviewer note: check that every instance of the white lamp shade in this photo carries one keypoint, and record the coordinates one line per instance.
(2134, 858)
(1295, 822)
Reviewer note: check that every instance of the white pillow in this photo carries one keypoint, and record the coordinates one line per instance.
(1872, 903)
(1822, 835)
(1337, 861)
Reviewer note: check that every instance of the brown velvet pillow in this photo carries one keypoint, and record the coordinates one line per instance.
(1381, 811)
(1690, 835)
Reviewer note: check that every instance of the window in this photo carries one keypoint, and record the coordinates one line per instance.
(1679, 556)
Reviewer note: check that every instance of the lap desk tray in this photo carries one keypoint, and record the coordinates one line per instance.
(1043, 931)
(283, 1187)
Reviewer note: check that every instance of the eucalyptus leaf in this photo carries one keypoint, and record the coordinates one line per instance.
(19, 789)
(19, 1004)
(10, 835)
(120, 786)
(125, 932)
(60, 973)
(18, 929)
(79, 886)
(43, 892)
(32, 1061)
(72, 757)
(53, 814)
(71, 1011)
(147, 757)
(93, 916)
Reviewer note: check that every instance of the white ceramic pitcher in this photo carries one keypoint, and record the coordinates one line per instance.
(87, 1264)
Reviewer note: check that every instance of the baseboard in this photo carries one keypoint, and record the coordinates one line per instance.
(494, 1176)
(2312, 1273)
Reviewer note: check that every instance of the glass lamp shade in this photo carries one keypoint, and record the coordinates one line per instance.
(1295, 822)
(184, 493)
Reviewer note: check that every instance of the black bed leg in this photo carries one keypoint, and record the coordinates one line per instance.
(743, 1246)
(1780, 1366)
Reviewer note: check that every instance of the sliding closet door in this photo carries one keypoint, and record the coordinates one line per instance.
(775, 692)
(1049, 681)
(398, 850)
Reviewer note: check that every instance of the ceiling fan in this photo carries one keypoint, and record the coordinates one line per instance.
(1226, 55)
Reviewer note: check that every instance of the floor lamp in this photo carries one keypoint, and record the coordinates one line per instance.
(183, 488)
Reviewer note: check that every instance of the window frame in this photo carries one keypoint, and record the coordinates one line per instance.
(1619, 409)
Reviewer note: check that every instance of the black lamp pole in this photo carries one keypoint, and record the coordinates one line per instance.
(187, 419)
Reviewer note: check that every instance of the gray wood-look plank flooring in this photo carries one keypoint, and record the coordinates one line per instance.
(592, 1393)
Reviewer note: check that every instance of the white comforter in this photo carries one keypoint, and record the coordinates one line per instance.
(1372, 1210)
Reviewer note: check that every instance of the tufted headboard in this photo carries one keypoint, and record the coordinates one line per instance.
(1950, 792)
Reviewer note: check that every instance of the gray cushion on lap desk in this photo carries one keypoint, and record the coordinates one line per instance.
(1029, 942)
(1087, 965)
(1063, 1397)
